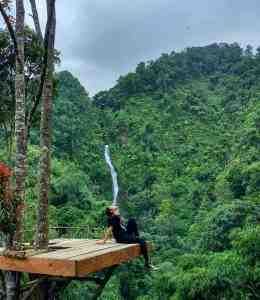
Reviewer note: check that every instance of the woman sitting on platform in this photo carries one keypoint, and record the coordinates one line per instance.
(122, 234)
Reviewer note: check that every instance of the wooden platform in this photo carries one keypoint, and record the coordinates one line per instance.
(71, 258)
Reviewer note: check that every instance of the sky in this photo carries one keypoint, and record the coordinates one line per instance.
(100, 40)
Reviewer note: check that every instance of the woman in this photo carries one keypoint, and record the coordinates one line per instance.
(122, 234)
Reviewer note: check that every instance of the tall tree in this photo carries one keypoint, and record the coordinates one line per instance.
(45, 133)
(20, 131)
(13, 278)
(17, 37)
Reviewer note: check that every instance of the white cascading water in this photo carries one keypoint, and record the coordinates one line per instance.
(113, 174)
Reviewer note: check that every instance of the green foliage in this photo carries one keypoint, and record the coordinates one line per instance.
(184, 135)
(247, 241)
(185, 131)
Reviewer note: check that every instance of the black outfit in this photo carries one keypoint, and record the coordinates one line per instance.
(128, 235)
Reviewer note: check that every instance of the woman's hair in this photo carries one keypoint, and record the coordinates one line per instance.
(108, 212)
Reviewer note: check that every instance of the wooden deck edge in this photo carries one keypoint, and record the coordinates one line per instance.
(105, 260)
(80, 266)
(42, 266)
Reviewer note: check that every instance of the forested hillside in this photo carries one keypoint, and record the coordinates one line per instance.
(184, 135)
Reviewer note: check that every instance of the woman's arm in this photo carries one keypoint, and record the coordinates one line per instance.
(107, 234)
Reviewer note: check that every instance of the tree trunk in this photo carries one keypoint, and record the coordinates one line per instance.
(13, 278)
(12, 285)
(45, 136)
(36, 20)
(20, 132)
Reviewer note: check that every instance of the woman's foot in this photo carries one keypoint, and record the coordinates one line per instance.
(151, 267)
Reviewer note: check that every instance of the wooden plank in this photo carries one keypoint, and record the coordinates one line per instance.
(53, 267)
(68, 252)
(118, 247)
(82, 251)
(64, 246)
(67, 243)
(93, 263)
(94, 250)
(57, 241)
(72, 252)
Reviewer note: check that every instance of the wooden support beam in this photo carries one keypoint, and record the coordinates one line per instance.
(108, 274)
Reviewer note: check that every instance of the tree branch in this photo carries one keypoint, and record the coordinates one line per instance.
(99, 290)
(36, 102)
(33, 287)
(36, 21)
(62, 283)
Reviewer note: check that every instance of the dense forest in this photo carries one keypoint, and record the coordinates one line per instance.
(184, 135)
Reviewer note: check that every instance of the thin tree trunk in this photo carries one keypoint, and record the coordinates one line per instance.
(45, 44)
(36, 20)
(12, 285)
(20, 132)
(42, 238)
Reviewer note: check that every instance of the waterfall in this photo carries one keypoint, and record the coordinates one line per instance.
(113, 174)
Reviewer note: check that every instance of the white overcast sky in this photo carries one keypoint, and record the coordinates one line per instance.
(102, 39)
